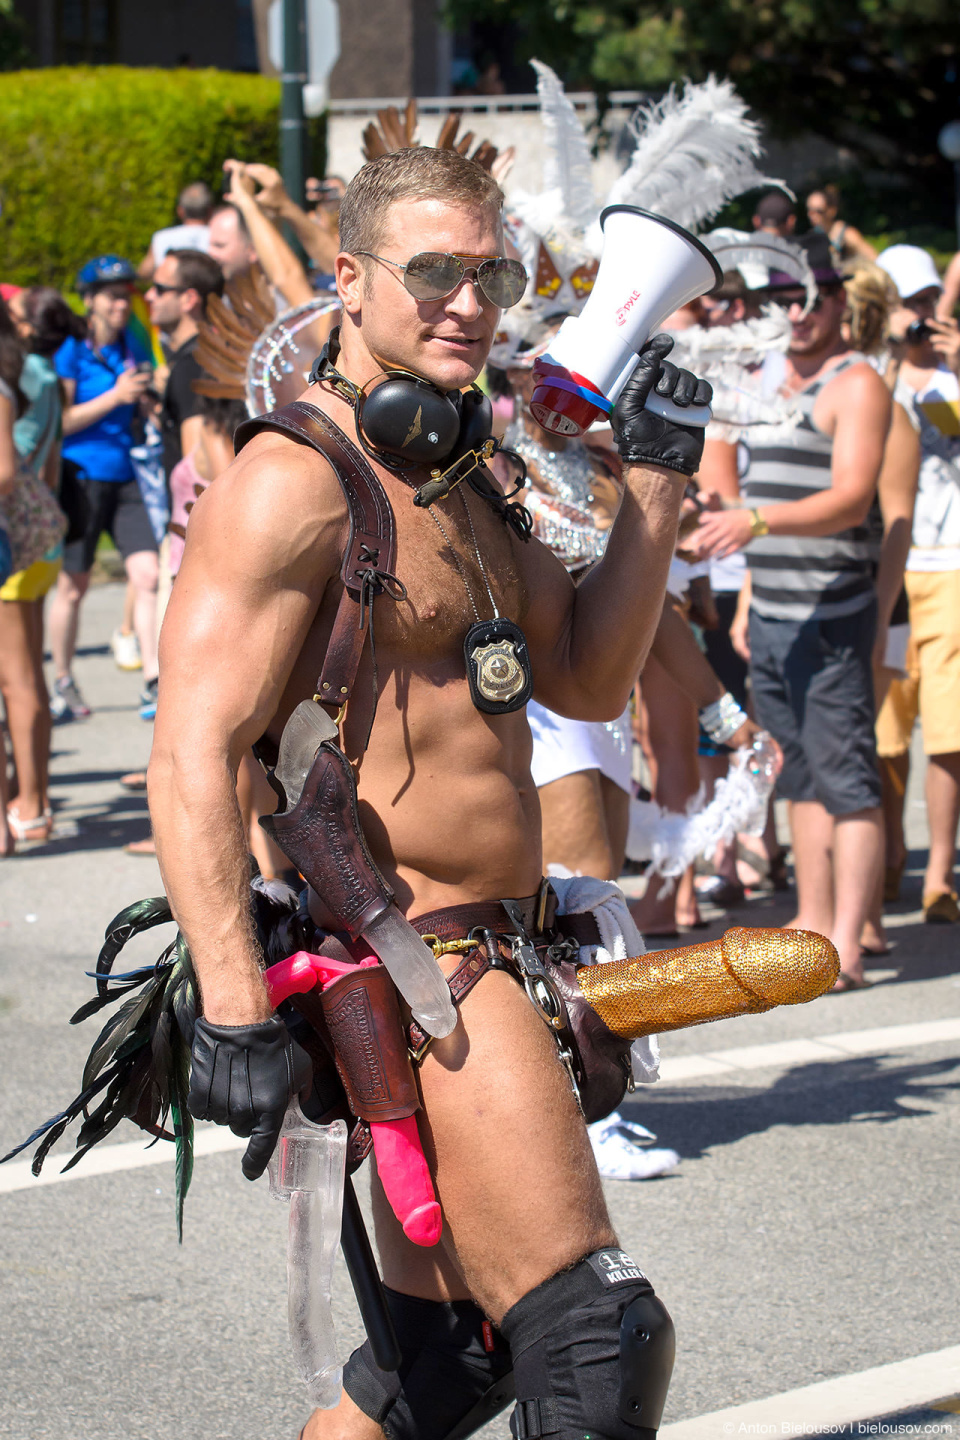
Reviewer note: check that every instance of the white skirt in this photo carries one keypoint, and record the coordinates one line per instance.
(563, 747)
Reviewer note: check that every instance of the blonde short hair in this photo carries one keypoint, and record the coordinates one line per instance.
(420, 173)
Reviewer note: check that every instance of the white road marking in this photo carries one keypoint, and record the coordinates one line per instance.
(839, 1046)
(904, 1385)
(106, 1159)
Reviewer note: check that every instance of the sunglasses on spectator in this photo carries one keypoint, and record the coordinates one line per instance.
(787, 302)
(433, 276)
(166, 289)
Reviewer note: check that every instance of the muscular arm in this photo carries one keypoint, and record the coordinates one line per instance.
(855, 411)
(321, 244)
(588, 644)
(262, 543)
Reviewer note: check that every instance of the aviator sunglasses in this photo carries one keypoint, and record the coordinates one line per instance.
(432, 276)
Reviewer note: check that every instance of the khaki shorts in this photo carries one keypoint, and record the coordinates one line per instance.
(932, 686)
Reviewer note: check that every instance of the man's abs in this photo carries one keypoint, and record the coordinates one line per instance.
(447, 802)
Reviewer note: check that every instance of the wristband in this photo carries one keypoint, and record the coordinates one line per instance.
(758, 526)
(722, 719)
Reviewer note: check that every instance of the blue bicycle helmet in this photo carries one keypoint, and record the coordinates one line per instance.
(104, 270)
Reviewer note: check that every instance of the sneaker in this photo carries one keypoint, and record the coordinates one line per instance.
(619, 1159)
(622, 1153)
(148, 700)
(126, 650)
(65, 689)
(60, 712)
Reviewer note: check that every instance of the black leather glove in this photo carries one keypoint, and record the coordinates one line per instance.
(244, 1076)
(647, 439)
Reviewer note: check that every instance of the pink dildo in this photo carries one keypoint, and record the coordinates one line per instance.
(401, 1163)
(302, 972)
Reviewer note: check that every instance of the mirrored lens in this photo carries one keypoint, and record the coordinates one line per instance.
(502, 281)
(431, 275)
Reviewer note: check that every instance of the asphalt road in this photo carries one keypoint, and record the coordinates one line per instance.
(811, 1230)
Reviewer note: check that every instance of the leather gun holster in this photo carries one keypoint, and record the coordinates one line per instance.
(319, 829)
(355, 1037)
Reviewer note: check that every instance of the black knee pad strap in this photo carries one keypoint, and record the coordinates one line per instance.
(454, 1376)
(592, 1353)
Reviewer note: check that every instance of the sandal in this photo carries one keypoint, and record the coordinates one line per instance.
(846, 983)
(941, 908)
(29, 831)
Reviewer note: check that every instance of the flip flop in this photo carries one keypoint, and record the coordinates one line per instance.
(846, 983)
(868, 951)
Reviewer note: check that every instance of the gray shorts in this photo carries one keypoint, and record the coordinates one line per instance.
(813, 690)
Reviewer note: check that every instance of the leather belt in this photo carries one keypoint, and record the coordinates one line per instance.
(455, 922)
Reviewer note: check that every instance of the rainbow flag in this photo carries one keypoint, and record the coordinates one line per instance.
(139, 325)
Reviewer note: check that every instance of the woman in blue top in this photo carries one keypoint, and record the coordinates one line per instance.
(104, 376)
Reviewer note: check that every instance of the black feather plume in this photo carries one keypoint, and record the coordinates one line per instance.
(139, 1065)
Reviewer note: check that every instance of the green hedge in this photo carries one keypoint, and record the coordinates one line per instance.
(92, 158)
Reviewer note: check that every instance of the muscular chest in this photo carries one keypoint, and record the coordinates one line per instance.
(453, 576)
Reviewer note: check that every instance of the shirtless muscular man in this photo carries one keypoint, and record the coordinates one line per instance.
(450, 814)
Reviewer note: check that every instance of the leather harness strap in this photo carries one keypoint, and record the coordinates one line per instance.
(457, 921)
(371, 552)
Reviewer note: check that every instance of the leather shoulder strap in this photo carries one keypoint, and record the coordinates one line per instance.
(373, 539)
(372, 548)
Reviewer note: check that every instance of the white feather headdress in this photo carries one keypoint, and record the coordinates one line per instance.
(694, 152)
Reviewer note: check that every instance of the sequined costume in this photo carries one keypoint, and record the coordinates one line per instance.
(561, 504)
(563, 519)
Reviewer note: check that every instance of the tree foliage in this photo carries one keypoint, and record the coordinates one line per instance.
(850, 70)
(14, 50)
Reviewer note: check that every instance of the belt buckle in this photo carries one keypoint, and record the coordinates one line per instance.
(417, 1053)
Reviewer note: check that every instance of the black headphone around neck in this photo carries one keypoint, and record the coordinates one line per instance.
(406, 420)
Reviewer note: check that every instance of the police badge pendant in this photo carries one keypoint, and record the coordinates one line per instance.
(498, 666)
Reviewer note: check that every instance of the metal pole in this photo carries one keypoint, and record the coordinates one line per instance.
(292, 127)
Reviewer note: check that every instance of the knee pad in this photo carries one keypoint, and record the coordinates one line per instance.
(592, 1353)
(454, 1376)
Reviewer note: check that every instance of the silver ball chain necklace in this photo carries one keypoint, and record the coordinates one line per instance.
(495, 651)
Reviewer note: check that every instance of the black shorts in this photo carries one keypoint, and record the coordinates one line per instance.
(813, 690)
(115, 506)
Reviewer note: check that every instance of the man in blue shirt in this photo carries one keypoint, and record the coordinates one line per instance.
(104, 376)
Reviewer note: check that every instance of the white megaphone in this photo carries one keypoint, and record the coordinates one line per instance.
(649, 268)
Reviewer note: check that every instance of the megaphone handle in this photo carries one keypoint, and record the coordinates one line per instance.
(693, 414)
